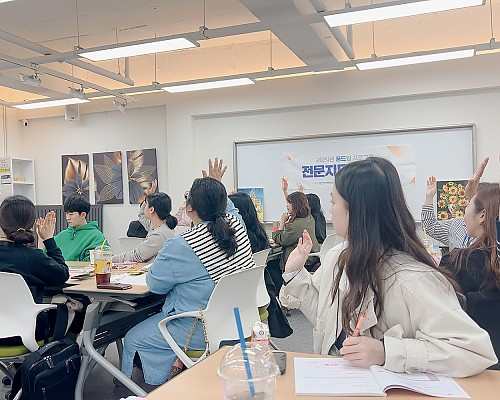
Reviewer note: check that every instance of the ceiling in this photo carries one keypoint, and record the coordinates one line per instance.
(241, 38)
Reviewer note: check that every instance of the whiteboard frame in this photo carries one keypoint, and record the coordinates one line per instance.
(471, 126)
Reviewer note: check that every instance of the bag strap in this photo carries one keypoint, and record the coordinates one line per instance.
(61, 322)
(191, 332)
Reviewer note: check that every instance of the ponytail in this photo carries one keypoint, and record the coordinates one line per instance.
(171, 221)
(21, 236)
(223, 234)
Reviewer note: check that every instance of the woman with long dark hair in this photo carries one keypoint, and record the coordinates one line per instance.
(414, 321)
(255, 230)
(187, 269)
(278, 324)
(160, 224)
(319, 218)
(477, 267)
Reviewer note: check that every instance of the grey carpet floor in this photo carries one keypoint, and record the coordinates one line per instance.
(99, 385)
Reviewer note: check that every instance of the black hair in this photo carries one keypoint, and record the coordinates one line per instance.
(17, 217)
(77, 204)
(208, 198)
(319, 217)
(162, 205)
(136, 229)
(255, 230)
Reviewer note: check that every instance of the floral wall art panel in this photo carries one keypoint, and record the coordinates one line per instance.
(108, 177)
(142, 170)
(451, 199)
(75, 175)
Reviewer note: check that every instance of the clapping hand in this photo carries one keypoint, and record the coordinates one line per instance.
(46, 226)
(216, 169)
(297, 258)
(152, 188)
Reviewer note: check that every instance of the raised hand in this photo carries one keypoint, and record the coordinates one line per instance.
(363, 351)
(46, 226)
(216, 169)
(471, 187)
(298, 256)
(152, 188)
(284, 184)
(431, 188)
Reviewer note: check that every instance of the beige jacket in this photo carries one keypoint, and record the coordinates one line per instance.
(423, 326)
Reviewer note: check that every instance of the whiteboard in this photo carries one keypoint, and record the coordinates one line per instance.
(445, 152)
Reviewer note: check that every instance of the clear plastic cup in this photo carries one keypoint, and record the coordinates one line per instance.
(102, 264)
(233, 374)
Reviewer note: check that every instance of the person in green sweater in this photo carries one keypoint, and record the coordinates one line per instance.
(80, 236)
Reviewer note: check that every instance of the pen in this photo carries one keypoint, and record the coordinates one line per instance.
(360, 323)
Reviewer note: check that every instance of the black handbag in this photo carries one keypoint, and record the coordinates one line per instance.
(51, 372)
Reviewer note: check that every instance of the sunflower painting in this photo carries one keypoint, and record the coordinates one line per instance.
(75, 175)
(451, 199)
(108, 178)
(142, 170)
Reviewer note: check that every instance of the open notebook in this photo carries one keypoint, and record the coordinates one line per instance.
(336, 377)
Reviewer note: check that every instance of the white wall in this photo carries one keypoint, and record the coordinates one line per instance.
(46, 139)
(204, 124)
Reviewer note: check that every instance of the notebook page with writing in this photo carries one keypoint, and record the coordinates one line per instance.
(425, 383)
(333, 377)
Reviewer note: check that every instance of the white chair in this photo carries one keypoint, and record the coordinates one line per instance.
(129, 243)
(18, 313)
(234, 290)
(260, 258)
(328, 244)
(181, 229)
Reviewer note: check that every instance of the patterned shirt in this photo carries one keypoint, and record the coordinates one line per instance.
(451, 232)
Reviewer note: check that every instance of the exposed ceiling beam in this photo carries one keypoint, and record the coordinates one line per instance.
(60, 75)
(300, 38)
(59, 57)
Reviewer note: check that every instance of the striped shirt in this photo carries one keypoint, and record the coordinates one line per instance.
(498, 238)
(213, 258)
(451, 232)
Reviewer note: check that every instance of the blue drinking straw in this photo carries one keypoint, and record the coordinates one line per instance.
(244, 350)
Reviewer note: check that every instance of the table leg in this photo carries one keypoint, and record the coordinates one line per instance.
(92, 319)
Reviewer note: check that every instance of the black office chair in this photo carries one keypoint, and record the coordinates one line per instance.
(483, 307)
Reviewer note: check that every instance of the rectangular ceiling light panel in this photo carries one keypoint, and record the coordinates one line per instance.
(138, 49)
(189, 87)
(381, 12)
(50, 103)
(425, 58)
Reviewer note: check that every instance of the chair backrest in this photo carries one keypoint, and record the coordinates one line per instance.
(18, 310)
(260, 258)
(181, 229)
(483, 308)
(129, 243)
(234, 290)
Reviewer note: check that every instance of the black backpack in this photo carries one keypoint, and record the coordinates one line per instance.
(51, 372)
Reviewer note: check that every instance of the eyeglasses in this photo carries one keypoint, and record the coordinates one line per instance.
(186, 194)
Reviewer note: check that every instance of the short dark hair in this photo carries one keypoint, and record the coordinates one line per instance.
(77, 203)
(17, 217)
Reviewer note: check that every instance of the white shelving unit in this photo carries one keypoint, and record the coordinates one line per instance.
(17, 176)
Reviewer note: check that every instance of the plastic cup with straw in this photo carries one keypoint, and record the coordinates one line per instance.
(244, 350)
